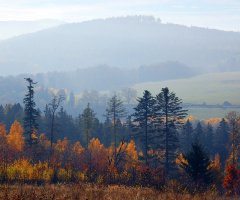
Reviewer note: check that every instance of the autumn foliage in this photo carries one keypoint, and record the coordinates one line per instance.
(74, 163)
(232, 180)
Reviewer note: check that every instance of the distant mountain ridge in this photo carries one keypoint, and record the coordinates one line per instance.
(9, 29)
(124, 42)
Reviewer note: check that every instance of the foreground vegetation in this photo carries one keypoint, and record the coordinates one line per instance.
(94, 192)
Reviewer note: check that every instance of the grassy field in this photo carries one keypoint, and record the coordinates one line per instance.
(83, 192)
(206, 113)
(209, 88)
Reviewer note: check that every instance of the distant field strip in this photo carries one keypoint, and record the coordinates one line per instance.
(209, 88)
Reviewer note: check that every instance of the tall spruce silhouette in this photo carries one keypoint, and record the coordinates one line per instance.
(30, 113)
(142, 126)
(168, 107)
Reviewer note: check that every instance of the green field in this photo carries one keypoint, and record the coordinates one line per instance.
(206, 113)
(209, 88)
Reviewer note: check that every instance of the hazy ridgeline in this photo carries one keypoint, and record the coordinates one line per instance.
(124, 42)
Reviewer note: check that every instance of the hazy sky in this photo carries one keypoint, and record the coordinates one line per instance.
(220, 14)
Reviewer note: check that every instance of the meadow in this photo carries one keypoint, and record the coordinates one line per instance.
(211, 89)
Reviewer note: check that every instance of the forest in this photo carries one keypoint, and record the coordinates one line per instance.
(156, 147)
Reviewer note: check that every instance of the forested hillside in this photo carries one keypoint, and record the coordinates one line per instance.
(124, 42)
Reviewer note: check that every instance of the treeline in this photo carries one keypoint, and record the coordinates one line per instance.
(91, 79)
(68, 126)
(13, 90)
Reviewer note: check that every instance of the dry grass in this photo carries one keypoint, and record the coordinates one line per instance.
(83, 192)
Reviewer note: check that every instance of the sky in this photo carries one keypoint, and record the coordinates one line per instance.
(217, 14)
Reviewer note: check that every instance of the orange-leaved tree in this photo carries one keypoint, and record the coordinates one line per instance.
(3, 141)
(231, 180)
(15, 139)
(98, 155)
(77, 156)
(3, 151)
(132, 158)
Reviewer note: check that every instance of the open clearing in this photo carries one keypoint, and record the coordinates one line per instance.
(209, 88)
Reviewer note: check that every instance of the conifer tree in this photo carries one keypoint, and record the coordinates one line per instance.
(2, 115)
(197, 164)
(199, 133)
(143, 123)
(88, 123)
(106, 130)
(221, 141)
(208, 139)
(115, 111)
(168, 107)
(187, 136)
(31, 114)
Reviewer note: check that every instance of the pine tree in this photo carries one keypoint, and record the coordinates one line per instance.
(208, 139)
(199, 133)
(88, 123)
(221, 141)
(187, 136)
(107, 130)
(31, 114)
(2, 115)
(143, 123)
(115, 111)
(197, 164)
(168, 108)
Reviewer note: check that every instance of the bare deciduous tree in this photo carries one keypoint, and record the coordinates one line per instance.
(129, 93)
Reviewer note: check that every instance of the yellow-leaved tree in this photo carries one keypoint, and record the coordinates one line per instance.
(15, 139)
(132, 155)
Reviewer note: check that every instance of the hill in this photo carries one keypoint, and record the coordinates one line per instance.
(10, 29)
(124, 42)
